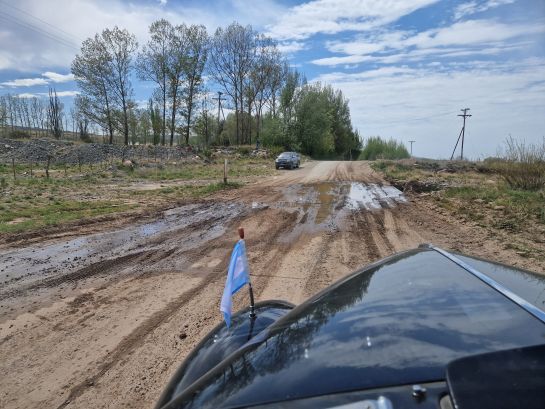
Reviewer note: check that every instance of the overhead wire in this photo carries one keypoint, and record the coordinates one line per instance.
(10, 18)
(67, 34)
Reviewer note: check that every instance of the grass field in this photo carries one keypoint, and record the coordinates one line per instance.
(72, 193)
(473, 193)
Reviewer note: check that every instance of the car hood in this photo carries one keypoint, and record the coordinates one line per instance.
(396, 322)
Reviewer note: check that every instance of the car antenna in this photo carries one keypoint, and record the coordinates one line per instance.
(252, 304)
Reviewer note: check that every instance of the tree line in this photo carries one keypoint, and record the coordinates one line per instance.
(265, 98)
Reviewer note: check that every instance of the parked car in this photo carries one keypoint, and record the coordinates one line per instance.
(421, 329)
(287, 160)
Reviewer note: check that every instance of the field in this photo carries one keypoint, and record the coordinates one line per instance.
(111, 275)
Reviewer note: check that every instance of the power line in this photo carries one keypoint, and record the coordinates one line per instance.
(421, 118)
(67, 34)
(25, 24)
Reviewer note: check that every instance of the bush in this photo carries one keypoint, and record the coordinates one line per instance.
(523, 166)
(378, 148)
(18, 134)
(244, 150)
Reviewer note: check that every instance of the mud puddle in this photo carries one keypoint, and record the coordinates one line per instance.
(45, 260)
(327, 205)
(372, 196)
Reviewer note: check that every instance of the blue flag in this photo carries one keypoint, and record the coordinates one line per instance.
(238, 274)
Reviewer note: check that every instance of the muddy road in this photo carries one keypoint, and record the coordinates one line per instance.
(103, 320)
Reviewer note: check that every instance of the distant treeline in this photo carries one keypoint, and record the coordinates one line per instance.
(263, 97)
(378, 148)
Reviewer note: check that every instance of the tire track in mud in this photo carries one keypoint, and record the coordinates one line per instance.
(362, 229)
(138, 336)
(100, 267)
(214, 279)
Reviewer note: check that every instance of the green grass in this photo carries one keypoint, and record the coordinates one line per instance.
(31, 203)
(36, 214)
(516, 208)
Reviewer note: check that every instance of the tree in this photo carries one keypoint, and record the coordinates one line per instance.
(267, 65)
(37, 109)
(54, 114)
(144, 125)
(3, 113)
(231, 60)
(195, 61)
(121, 45)
(102, 71)
(155, 119)
(153, 60)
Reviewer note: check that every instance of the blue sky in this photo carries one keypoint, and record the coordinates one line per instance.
(407, 66)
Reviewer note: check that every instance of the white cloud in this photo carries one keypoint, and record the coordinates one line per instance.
(334, 16)
(25, 82)
(472, 37)
(349, 59)
(473, 7)
(58, 78)
(61, 94)
(289, 47)
(422, 103)
(26, 95)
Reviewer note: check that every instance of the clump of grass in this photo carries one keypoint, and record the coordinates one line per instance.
(378, 148)
(523, 166)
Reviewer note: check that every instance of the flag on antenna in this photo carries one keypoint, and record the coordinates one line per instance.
(238, 275)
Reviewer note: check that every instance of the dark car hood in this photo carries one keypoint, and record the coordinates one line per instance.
(397, 322)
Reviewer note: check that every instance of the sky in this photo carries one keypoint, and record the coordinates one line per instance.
(407, 66)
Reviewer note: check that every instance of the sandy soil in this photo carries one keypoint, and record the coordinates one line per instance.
(103, 319)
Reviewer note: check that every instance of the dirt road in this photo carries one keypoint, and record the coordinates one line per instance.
(103, 320)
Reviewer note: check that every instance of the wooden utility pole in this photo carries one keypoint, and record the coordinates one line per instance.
(411, 142)
(220, 109)
(462, 134)
(465, 115)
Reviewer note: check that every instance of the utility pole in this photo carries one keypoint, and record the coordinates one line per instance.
(462, 133)
(411, 142)
(219, 99)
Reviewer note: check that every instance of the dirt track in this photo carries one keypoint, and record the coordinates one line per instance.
(103, 320)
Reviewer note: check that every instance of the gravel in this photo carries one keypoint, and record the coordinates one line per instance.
(39, 150)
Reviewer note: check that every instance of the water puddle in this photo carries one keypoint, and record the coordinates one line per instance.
(326, 197)
(372, 196)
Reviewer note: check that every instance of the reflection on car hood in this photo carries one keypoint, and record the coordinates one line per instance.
(397, 322)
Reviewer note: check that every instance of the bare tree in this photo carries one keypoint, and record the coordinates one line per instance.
(37, 108)
(3, 113)
(231, 60)
(197, 52)
(54, 114)
(102, 72)
(152, 62)
(121, 45)
(176, 68)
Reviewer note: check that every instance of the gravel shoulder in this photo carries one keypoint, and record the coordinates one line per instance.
(103, 319)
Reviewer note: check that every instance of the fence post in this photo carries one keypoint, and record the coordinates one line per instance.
(225, 171)
(13, 167)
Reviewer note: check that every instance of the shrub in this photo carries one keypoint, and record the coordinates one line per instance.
(378, 148)
(244, 150)
(523, 166)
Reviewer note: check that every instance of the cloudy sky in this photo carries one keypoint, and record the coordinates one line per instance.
(407, 66)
